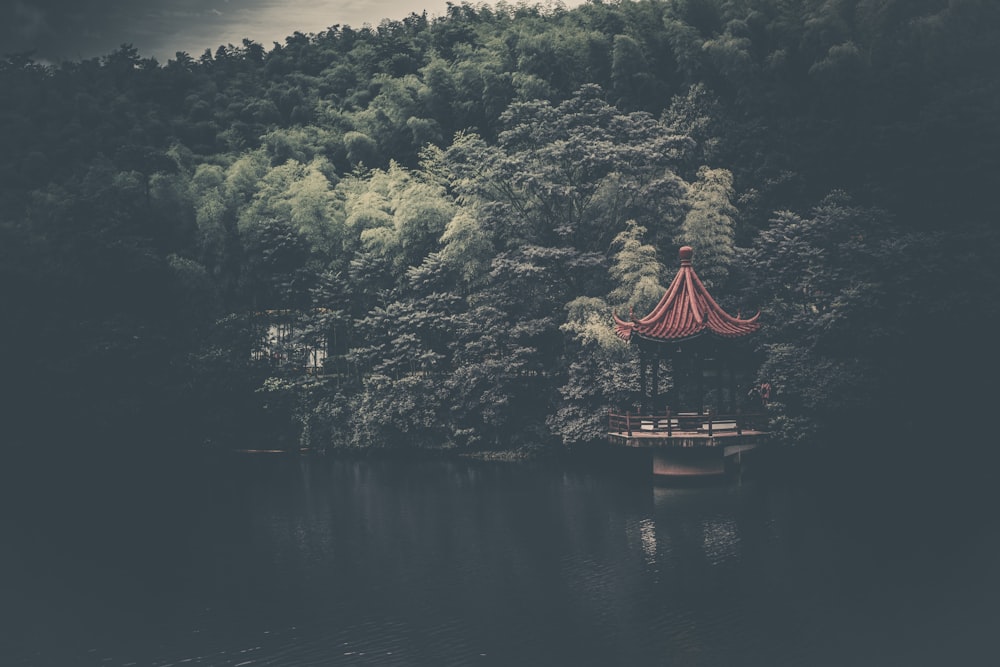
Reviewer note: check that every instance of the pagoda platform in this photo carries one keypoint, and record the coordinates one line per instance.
(689, 444)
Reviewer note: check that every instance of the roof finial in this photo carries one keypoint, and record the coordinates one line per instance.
(685, 253)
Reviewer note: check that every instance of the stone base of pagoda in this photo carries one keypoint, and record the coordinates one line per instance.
(688, 462)
(692, 454)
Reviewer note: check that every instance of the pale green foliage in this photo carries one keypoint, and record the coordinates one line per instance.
(269, 200)
(464, 166)
(206, 177)
(421, 212)
(367, 202)
(396, 214)
(466, 247)
(636, 271)
(210, 209)
(302, 195)
(243, 176)
(588, 321)
(380, 241)
(709, 225)
(432, 166)
(600, 377)
(365, 210)
(314, 207)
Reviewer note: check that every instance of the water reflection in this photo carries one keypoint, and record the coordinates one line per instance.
(647, 536)
(292, 562)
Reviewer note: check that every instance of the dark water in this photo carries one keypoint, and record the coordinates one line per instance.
(283, 561)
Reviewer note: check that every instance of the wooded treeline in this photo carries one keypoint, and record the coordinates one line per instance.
(454, 206)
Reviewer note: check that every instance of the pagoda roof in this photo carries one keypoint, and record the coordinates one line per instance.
(686, 311)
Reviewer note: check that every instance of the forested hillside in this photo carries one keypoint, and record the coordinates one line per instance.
(454, 206)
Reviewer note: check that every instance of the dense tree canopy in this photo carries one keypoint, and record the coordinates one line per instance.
(451, 208)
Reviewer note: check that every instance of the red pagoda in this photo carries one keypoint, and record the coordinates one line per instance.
(686, 312)
(708, 359)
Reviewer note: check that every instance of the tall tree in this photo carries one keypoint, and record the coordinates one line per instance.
(709, 225)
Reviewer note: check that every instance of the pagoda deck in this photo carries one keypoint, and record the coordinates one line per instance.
(686, 430)
(689, 444)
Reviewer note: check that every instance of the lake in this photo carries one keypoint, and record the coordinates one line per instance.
(277, 560)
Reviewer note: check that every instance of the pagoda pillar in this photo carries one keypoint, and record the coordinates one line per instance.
(642, 377)
(655, 400)
(672, 392)
(734, 401)
(699, 371)
(720, 404)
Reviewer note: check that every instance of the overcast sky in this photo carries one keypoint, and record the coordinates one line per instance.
(78, 29)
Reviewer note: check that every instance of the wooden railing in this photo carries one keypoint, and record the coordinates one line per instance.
(669, 422)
